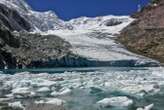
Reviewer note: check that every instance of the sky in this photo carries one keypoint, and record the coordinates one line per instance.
(68, 9)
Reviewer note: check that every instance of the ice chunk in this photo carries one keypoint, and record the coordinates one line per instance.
(56, 101)
(21, 91)
(66, 91)
(44, 90)
(149, 107)
(121, 101)
(16, 105)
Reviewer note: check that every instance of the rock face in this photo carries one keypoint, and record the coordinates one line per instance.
(42, 21)
(146, 35)
(12, 20)
(20, 50)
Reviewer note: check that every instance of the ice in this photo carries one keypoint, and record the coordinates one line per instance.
(43, 83)
(97, 42)
(43, 90)
(63, 92)
(56, 101)
(17, 104)
(121, 101)
(136, 84)
(40, 102)
(148, 107)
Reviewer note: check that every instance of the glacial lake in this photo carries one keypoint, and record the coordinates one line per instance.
(143, 85)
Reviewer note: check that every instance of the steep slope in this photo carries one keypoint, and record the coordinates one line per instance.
(20, 50)
(41, 21)
(146, 35)
(12, 20)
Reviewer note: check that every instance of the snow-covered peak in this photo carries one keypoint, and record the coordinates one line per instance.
(40, 21)
(45, 21)
(100, 22)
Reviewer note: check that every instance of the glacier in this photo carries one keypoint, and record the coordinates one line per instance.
(93, 38)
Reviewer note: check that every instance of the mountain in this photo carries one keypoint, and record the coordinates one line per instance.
(42, 21)
(145, 36)
(32, 39)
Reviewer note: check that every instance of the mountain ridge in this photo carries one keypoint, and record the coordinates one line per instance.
(52, 42)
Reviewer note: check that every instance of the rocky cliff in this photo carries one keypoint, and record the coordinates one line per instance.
(146, 34)
(12, 19)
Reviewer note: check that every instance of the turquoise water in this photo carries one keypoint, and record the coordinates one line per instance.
(62, 70)
(85, 99)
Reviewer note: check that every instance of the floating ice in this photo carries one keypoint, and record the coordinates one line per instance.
(56, 101)
(21, 91)
(44, 90)
(121, 101)
(131, 83)
(63, 92)
(149, 107)
(17, 105)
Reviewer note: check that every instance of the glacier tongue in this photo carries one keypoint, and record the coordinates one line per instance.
(93, 39)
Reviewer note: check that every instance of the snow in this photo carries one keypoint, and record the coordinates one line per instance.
(40, 21)
(97, 42)
(98, 23)
(121, 101)
(87, 45)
